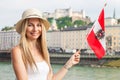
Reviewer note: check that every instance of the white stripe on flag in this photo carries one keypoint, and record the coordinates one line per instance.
(95, 29)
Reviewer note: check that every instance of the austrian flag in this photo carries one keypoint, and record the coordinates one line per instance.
(96, 36)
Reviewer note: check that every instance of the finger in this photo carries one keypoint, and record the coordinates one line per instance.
(77, 59)
(78, 52)
(77, 56)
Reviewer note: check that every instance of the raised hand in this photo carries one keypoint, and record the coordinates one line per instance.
(74, 59)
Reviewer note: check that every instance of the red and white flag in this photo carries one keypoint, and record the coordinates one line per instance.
(96, 36)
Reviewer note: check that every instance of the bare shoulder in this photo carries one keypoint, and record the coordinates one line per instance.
(18, 64)
(16, 51)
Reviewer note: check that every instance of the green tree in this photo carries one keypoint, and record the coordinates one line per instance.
(50, 20)
(79, 23)
(64, 21)
(7, 28)
(118, 21)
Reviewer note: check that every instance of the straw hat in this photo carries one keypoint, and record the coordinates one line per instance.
(31, 13)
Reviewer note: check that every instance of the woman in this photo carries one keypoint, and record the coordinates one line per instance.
(30, 58)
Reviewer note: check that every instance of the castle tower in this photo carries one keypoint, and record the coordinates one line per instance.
(54, 25)
(83, 13)
(114, 14)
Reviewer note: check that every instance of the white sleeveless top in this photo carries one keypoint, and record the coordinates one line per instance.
(39, 73)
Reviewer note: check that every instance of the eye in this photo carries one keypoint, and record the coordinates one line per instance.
(39, 25)
(30, 25)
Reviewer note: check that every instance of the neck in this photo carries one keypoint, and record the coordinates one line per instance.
(32, 43)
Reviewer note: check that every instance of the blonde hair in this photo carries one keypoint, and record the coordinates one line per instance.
(24, 45)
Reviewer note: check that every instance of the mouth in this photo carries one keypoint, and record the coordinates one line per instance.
(34, 34)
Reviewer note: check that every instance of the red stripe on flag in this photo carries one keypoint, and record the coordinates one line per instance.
(95, 45)
(101, 19)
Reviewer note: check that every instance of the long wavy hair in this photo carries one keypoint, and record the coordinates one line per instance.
(24, 46)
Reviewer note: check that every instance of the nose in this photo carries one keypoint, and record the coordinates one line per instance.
(35, 28)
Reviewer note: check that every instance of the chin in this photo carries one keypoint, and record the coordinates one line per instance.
(33, 38)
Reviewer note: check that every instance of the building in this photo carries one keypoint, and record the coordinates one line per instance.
(75, 15)
(68, 38)
(109, 21)
(8, 39)
(113, 37)
(54, 39)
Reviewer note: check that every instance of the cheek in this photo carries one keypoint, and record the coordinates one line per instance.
(27, 34)
(28, 31)
(40, 30)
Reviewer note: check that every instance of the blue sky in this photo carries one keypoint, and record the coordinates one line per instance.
(11, 10)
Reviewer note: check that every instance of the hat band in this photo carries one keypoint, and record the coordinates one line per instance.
(33, 15)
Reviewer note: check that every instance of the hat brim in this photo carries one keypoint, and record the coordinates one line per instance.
(18, 25)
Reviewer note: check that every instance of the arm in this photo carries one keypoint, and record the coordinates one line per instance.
(18, 65)
(75, 58)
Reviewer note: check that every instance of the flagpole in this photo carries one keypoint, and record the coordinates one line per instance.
(105, 4)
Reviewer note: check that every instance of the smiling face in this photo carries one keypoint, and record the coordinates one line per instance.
(34, 28)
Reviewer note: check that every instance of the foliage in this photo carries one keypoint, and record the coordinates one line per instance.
(7, 28)
(64, 21)
(114, 63)
(118, 21)
(79, 23)
(50, 20)
(67, 21)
